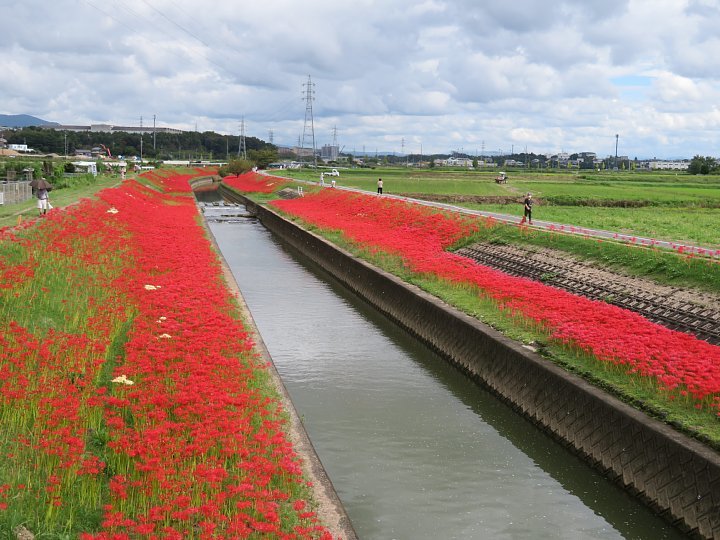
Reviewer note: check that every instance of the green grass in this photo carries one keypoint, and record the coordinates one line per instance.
(401, 180)
(588, 193)
(9, 214)
(698, 226)
(66, 296)
(659, 189)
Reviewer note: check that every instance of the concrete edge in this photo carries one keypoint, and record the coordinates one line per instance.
(675, 475)
(330, 510)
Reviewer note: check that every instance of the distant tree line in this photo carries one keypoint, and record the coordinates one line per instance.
(703, 165)
(190, 145)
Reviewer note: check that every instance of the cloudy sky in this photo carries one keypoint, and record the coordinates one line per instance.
(400, 76)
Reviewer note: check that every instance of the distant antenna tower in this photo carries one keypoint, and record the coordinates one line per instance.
(241, 143)
(309, 127)
(334, 136)
(270, 136)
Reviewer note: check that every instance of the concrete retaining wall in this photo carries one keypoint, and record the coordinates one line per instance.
(679, 477)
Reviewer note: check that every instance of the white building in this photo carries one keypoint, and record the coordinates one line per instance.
(459, 162)
(669, 165)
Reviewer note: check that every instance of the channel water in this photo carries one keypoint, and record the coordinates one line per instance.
(414, 448)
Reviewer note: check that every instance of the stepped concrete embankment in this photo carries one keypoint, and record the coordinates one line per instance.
(676, 475)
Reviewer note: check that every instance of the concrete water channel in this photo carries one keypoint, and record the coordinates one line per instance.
(414, 448)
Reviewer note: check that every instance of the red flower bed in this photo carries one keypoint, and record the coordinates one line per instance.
(679, 362)
(169, 181)
(195, 446)
(203, 446)
(252, 182)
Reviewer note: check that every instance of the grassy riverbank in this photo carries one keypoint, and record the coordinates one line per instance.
(658, 397)
(673, 223)
(11, 214)
(132, 403)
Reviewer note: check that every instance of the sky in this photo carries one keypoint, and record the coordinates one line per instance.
(402, 76)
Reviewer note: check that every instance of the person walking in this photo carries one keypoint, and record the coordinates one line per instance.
(43, 201)
(380, 186)
(527, 209)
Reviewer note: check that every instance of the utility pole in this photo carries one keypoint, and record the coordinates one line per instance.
(616, 147)
(153, 132)
(334, 148)
(309, 126)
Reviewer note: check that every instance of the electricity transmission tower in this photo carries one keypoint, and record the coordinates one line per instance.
(241, 144)
(309, 127)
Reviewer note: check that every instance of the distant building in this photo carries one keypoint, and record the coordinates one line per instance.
(458, 162)
(303, 152)
(108, 128)
(681, 165)
(329, 153)
(285, 152)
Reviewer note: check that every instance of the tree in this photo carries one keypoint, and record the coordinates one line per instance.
(263, 158)
(236, 166)
(702, 165)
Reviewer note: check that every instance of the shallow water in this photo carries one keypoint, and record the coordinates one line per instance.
(413, 447)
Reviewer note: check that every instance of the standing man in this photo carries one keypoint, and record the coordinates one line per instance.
(380, 184)
(527, 209)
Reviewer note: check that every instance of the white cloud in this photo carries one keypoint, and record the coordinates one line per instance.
(437, 73)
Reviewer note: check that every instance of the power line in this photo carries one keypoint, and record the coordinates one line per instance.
(157, 28)
(188, 32)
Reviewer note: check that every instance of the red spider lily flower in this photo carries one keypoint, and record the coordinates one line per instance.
(420, 237)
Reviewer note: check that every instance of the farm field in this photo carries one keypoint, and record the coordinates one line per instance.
(667, 206)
